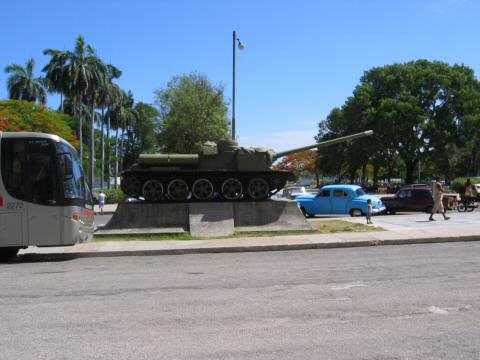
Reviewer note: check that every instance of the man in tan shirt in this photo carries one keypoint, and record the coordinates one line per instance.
(437, 193)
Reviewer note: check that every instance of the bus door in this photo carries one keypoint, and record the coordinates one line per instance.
(13, 208)
(44, 214)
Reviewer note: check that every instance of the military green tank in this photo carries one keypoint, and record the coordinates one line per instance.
(223, 171)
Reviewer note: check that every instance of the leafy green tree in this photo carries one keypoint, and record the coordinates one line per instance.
(417, 111)
(142, 137)
(332, 160)
(192, 111)
(146, 127)
(23, 85)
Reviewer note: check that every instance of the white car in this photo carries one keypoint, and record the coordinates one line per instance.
(292, 192)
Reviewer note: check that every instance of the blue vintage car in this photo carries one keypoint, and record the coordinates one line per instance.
(338, 199)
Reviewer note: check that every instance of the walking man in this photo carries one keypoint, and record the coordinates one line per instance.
(101, 201)
(437, 193)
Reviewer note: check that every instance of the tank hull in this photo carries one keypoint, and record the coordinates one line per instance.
(178, 185)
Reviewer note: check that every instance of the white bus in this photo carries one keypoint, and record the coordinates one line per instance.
(44, 199)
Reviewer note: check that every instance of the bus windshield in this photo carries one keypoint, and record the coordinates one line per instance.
(71, 175)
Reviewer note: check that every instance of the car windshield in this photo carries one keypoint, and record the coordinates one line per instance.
(360, 192)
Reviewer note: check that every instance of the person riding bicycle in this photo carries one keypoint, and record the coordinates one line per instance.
(469, 195)
(468, 189)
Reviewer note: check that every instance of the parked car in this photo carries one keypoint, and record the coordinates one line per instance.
(292, 192)
(476, 189)
(415, 197)
(338, 199)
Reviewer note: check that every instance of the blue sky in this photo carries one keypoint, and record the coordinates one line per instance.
(302, 58)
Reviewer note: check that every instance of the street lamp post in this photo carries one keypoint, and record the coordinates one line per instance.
(241, 46)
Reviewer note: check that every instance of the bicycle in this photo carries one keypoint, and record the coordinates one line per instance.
(467, 203)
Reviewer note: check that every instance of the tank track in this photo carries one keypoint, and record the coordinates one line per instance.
(195, 186)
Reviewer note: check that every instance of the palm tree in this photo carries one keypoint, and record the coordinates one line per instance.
(81, 71)
(54, 73)
(22, 85)
(128, 120)
(70, 107)
(112, 98)
(92, 98)
(116, 116)
(108, 95)
(122, 114)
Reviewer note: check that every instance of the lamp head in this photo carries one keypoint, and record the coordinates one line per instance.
(241, 45)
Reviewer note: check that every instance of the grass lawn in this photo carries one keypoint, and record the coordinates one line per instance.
(334, 226)
(320, 227)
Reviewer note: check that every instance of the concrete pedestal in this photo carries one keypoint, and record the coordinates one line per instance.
(205, 219)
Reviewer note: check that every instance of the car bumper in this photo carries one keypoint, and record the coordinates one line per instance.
(379, 210)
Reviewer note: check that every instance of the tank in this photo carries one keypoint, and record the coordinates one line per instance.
(222, 171)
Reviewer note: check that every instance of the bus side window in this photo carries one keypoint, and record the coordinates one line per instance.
(13, 167)
(42, 173)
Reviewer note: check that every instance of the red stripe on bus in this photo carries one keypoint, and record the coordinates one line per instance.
(1, 200)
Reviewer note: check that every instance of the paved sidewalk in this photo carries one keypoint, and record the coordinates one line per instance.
(399, 229)
(107, 209)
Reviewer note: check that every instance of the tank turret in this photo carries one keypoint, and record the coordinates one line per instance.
(223, 171)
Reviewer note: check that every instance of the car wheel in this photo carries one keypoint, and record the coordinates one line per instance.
(391, 212)
(356, 212)
(305, 212)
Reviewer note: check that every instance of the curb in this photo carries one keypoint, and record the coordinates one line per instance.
(254, 248)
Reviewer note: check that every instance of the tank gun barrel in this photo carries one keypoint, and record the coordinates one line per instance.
(324, 143)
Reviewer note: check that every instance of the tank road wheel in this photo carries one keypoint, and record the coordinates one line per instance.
(177, 190)
(132, 186)
(202, 189)
(152, 190)
(258, 189)
(232, 189)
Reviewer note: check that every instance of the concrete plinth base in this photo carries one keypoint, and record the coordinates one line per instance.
(146, 215)
(211, 219)
(269, 216)
(205, 219)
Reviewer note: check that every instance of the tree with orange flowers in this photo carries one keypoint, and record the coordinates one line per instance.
(19, 115)
(302, 163)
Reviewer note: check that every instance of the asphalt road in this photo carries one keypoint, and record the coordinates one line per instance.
(389, 302)
(102, 220)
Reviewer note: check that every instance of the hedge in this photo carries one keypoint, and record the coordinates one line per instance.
(113, 196)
